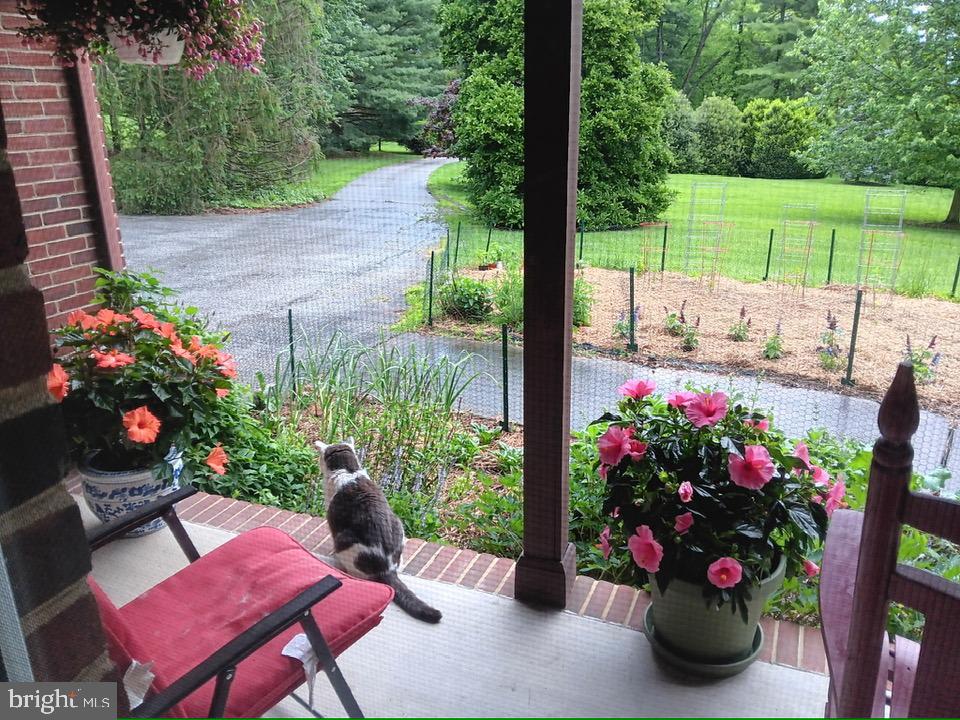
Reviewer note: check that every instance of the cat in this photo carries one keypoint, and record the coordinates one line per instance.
(368, 537)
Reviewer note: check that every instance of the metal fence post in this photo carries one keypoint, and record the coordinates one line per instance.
(766, 273)
(506, 379)
(956, 277)
(848, 380)
(580, 256)
(430, 293)
(489, 233)
(833, 240)
(456, 247)
(632, 345)
(293, 357)
(446, 250)
(663, 252)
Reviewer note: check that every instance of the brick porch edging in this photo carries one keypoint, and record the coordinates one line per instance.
(786, 643)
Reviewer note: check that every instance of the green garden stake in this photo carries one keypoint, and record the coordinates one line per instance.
(956, 277)
(580, 258)
(456, 247)
(663, 252)
(632, 345)
(430, 293)
(446, 251)
(766, 273)
(848, 380)
(293, 357)
(506, 383)
(833, 240)
(489, 233)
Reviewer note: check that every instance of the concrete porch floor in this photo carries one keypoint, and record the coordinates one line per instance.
(492, 656)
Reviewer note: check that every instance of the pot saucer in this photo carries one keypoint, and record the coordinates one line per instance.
(704, 669)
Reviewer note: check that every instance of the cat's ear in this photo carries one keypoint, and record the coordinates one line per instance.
(322, 447)
(349, 442)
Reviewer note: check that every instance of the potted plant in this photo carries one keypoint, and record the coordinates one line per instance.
(492, 258)
(716, 508)
(204, 33)
(136, 386)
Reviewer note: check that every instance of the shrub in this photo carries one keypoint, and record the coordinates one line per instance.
(719, 126)
(466, 299)
(582, 302)
(675, 322)
(680, 134)
(776, 133)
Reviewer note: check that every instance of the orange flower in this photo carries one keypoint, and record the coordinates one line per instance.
(196, 345)
(228, 368)
(145, 319)
(58, 382)
(167, 330)
(209, 352)
(142, 425)
(180, 351)
(83, 319)
(223, 392)
(109, 317)
(112, 359)
(217, 460)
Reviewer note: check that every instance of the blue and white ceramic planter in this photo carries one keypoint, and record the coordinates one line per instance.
(111, 495)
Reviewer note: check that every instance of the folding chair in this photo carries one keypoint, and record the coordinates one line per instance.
(870, 674)
(214, 631)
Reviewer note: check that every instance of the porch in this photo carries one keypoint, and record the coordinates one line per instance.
(491, 655)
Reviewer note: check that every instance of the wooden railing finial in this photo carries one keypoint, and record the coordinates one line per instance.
(899, 415)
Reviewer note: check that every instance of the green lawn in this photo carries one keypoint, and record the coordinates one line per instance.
(328, 175)
(753, 206)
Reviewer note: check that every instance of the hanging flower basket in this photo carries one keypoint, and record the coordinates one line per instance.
(198, 35)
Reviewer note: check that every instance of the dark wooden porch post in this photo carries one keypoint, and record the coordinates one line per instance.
(546, 570)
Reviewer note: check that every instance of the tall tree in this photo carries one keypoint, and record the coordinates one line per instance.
(888, 75)
(623, 158)
(394, 54)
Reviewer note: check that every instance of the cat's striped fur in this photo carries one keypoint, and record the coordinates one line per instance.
(368, 537)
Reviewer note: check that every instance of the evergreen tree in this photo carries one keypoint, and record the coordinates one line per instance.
(623, 158)
(394, 58)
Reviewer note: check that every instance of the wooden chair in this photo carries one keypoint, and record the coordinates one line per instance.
(214, 630)
(861, 577)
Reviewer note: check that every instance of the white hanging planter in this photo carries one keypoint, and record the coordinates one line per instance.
(171, 49)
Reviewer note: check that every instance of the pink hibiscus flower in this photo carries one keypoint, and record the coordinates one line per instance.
(614, 444)
(637, 389)
(803, 452)
(724, 573)
(637, 450)
(647, 552)
(604, 469)
(811, 568)
(835, 497)
(706, 409)
(820, 476)
(680, 398)
(753, 470)
(763, 425)
(605, 545)
(683, 522)
(685, 492)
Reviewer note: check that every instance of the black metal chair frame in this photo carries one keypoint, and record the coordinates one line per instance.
(223, 662)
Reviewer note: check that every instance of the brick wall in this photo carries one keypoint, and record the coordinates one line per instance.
(56, 146)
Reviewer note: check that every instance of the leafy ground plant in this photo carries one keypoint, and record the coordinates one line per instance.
(828, 351)
(924, 360)
(773, 347)
(740, 330)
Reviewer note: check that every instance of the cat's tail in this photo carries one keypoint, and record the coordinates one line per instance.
(408, 602)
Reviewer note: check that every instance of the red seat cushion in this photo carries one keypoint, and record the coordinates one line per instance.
(188, 616)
